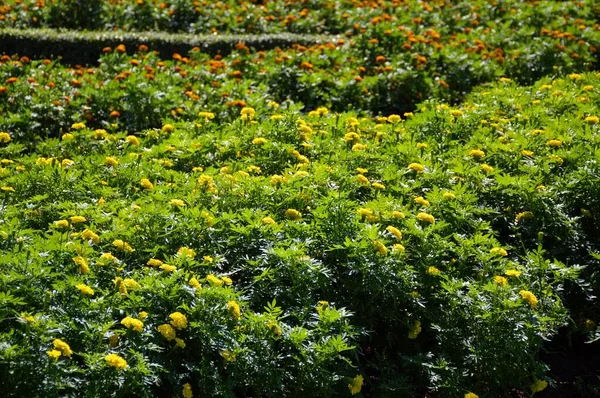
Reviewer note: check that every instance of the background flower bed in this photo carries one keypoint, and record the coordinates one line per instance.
(493, 204)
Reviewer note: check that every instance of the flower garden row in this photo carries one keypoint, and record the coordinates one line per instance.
(369, 73)
(349, 17)
(263, 251)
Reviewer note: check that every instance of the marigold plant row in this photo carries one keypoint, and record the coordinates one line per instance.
(259, 250)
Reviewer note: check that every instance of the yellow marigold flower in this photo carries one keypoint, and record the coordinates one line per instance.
(5, 137)
(293, 214)
(498, 251)
(378, 185)
(61, 224)
(178, 320)
(426, 217)
(380, 247)
(592, 119)
(131, 283)
(167, 331)
(416, 167)
(356, 384)
(471, 395)
(433, 271)
(143, 314)
(124, 246)
(78, 219)
(422, 145)
(394, 231)
(168, 128)
(247, 113)
(85, 289)
(500, 280)
(398, 248)
(186, 252)
(66, 137)
(179, 342)
(322, 110)
(414, 330)
(226, 280)
(177, 202)
(88, 234)
(134, 324)
(78, 126)
(66, 163)
(28, 318)
(277, 179)
(146, 183)
(168, 268)
(398, 214)
(539, 385)
(259, 141)
(115, 361)
(111, 161)
(351, 137)
(588, 88)
(132, 140)
(513, 273)
(234, 309)
(524, 215)
(529, 297)
(277, 117)
(206, 115)
(54, 354)
(359, 147)
(99, 134)
(362, 179)
(214, 281)
(268, 220)
(477, 153)
(487, 168)
(63, 347)
(554, 143)
(456, 112)
(365, 212)
(449, 195)
(394, 118)
(556, 159)
(153, 262)
(422, 201)
(360, 170)
(527, 153)
(195, 284)
(83, 264)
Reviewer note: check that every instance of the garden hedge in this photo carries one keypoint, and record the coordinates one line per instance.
(76, 47)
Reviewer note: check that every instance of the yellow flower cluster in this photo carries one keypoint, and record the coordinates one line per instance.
(426, 218)
(394, 231)
(123, 246)
(5, 137)
(134, 324)
(178, 320)
(356, 384)
(62, 347)
(85, 289)
(167, 331)
(116, 361)
(293, 214)
(234, 309)
(529, 297)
